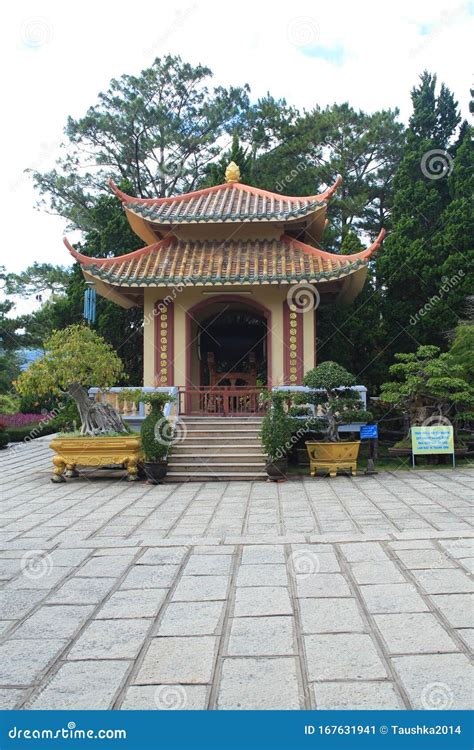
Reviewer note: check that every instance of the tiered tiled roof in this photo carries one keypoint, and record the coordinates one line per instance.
(172, 261)
(230, 202)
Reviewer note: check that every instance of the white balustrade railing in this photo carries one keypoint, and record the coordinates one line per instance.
(349, 427)
(130, 410)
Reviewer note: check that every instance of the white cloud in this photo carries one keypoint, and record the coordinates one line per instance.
(56, 57)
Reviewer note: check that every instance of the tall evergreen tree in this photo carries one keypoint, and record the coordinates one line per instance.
(411, 266)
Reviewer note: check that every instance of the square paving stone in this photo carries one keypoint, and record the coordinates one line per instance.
(110, 639)
(83, 686)
(262, 600)
(357, 696)
(410, 633)
(262, 554)
(304, 559)
(22, 661)
(82, 591)
(467, 634)
(259, 683)
(330, 616)
(395, 597)
(342, 656)
(69, 557)
(16, 604)
(150, 577)
(261, 636)
(377, 572)
(163, 556)
(191, 618)
(322, 585)
(262, 575)
(178, 660)
(108, 566)
(457, 608)
(55, 621)
(424, 558)
(132, 603)
(40, 583)
(363, 552)
(10, 698)
(436, 681)
(440, 581)
(165, 698)
(201, 588)
(458, 547)
(206, 565)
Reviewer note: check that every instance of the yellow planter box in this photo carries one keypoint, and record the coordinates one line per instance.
(94, 451)
(333, 456)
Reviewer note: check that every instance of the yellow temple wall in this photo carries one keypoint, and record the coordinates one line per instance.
(271, 297)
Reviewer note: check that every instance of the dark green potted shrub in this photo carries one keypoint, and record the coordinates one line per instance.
(276, 433)
(156, 437)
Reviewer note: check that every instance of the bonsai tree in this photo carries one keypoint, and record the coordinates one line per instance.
(336, 403)
(74, 360)
(156, 431)
(426, 383)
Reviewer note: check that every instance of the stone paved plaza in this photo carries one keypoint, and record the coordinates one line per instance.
(331, 594)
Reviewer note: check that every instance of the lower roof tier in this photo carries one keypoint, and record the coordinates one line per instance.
(171, 261)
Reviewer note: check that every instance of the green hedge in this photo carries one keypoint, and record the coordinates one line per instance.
(18, 434)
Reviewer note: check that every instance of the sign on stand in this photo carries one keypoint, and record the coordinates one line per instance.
(436, 439)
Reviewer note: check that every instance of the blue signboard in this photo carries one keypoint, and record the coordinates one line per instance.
(369, 431)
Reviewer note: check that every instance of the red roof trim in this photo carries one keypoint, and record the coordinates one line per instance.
(84, 260)
(215, 188)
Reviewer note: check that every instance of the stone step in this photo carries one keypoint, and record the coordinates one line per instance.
(217, 442)
(216, 431)
(212, 458)
(217, 476)
(207, 467)
(196, 448)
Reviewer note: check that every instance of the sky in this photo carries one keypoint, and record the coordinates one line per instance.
(57, 56)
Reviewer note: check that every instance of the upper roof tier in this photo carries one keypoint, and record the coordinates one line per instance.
(229, 203)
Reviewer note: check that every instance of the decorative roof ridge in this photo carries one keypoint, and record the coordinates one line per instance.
(85, 260)
(320, 197)
(363, 255)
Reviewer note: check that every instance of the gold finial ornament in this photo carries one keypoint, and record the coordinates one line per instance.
(232, 173)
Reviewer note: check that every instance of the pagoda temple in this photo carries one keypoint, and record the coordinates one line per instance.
(230, 280)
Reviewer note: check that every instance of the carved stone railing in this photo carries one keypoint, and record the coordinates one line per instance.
(350, 427)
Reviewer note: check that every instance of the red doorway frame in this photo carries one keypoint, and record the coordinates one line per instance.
(227, 298)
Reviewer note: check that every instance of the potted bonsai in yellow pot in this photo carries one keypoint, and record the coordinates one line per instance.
(335, 403)
(75, 359)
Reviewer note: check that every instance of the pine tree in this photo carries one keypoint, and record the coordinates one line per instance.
(411, 266)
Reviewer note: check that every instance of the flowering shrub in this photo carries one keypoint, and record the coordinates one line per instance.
(20, 420)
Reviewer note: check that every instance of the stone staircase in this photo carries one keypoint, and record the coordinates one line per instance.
(217, 449)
